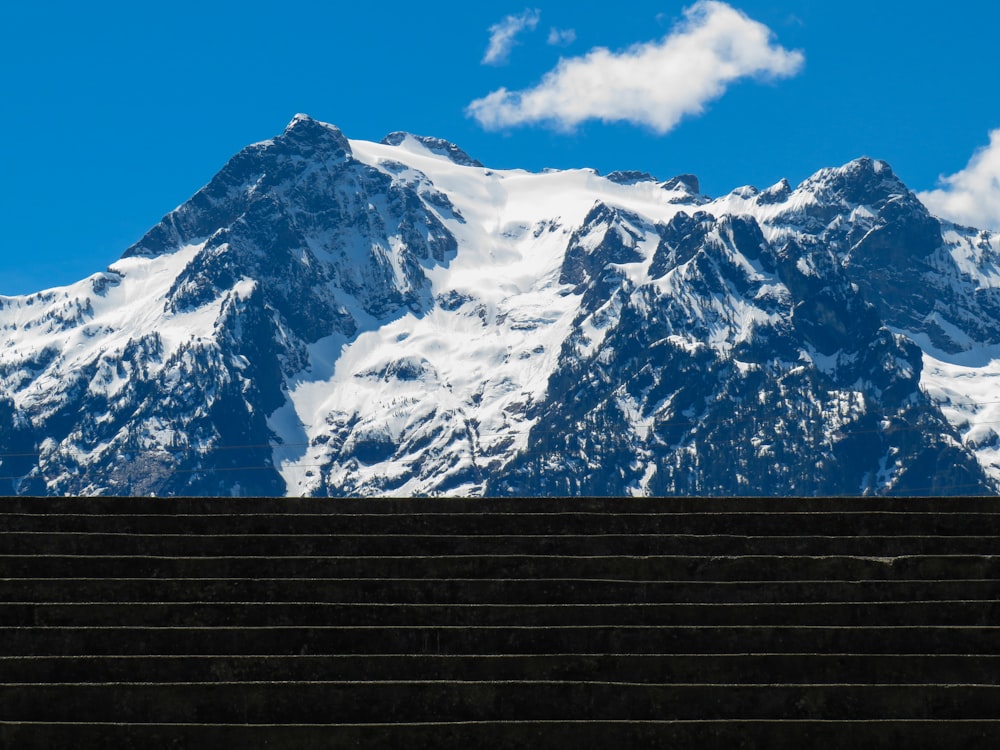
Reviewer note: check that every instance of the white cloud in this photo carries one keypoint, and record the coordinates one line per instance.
(561, 37)
(503, 35)
(972, 196)
(653, 84)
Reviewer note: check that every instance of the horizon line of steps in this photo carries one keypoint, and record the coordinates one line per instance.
(738, 622)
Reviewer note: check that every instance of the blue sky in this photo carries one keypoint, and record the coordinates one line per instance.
(114, 112)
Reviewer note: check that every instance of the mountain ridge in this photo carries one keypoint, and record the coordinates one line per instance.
(338, 317)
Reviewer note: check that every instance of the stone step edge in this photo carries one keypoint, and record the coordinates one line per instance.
(888, 559)
(416, 513)
(493, 605)
(489, 656)
(558, 579)
(416, 535)
(243, 628)
(507, 722)
(600, 683)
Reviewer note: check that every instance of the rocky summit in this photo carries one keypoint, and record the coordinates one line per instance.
(333, 317)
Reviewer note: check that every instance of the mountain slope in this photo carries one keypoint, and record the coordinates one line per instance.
(337, 317)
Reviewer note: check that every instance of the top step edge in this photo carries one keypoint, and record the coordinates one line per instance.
(515, 505)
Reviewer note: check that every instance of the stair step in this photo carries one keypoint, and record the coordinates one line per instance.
(651, 668)
(486, 591)
(259, 614)
(412, 701)
(375, 545)
(665, 567)
(508, 735)
(526, 639)
(751, 523)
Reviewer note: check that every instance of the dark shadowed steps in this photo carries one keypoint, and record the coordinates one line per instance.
(573, 623)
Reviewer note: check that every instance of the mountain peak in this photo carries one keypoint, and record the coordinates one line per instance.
(777, 193)
(437, 146)
(299, 118)
(859, 181)
(253, 171)
(630, 177)
(687, 182)
(308, 136)
(864, 167)
(688, 187)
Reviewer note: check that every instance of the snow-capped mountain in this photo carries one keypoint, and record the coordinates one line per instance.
(339, 317)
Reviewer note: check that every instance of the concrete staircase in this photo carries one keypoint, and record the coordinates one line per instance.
(737, 623)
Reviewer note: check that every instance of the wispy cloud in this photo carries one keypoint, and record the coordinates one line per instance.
(503, 35)
(971, 196)
(653, 84)
(561, 37)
